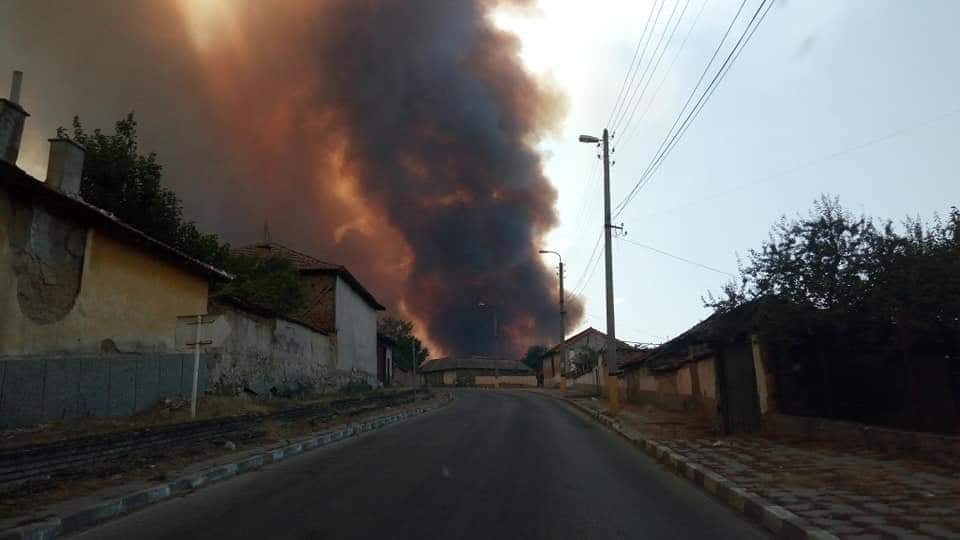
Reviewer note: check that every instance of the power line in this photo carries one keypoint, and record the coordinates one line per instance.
(636, 51)
(625, 104)
(815, 161)
(671, 142)
(625, 136)
(679, 258)
(654, 64)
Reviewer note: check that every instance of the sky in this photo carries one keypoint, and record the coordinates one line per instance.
(854, 99)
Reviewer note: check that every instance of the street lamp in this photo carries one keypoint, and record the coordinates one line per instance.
(496, 362)
(563, 321)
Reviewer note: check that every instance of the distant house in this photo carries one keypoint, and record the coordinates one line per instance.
(587, 344)
(716, 367)
(337, 304)
(476, 371)
(88, 304)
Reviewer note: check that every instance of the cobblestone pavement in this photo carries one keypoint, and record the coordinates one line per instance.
(851, 492)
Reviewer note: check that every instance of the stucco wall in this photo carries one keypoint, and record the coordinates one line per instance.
(125, 294)
(684, 381)
(268, 356)
(356, 335)
(506, 380)
(706, 370)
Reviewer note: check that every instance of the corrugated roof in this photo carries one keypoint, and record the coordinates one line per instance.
(473, 362)
(307, 264)
(717, 328)
(20, 182)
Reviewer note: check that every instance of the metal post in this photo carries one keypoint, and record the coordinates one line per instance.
(196, 368)
(563, 333)
(611, 349)
(15, 87)
(496, 352)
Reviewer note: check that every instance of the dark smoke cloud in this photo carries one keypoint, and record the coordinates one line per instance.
(394, 136)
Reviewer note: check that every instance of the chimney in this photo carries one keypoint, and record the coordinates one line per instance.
(65, 166)
(12, 117)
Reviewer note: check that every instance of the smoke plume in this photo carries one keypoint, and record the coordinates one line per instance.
(395, 136)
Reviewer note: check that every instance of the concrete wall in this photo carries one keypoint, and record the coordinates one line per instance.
(52, 388)
(356, 336)
(506, 380)
(65, 289)
(266, 355)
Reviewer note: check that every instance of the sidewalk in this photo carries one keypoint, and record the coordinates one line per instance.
(849, 492)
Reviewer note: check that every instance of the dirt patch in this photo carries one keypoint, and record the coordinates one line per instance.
(163, 464)
(169, 411)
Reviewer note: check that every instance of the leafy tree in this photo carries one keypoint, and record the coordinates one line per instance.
(120, 179)
(272, 282)
(402, 332)
(534, 357)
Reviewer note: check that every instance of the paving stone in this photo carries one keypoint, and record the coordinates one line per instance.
(937, 530)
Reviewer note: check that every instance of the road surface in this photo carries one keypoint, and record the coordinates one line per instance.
(494, 464)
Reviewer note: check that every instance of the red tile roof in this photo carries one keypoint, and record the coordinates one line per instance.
(306, 264)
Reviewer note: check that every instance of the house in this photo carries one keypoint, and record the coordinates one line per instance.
(88, 304)
(583, 350)
(476, 371)
(337, 304)
(717, 368)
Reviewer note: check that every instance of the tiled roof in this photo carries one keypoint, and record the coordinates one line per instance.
(306, 264)
(19, 181)
(474, 362)
(301, 260)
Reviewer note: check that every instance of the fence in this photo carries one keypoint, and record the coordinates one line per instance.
(48, 389)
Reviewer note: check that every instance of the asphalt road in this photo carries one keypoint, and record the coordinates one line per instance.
(492, 465)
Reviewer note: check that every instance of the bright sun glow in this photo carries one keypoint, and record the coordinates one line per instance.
(209, 20)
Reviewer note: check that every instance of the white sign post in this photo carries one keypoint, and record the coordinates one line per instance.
(196, 363)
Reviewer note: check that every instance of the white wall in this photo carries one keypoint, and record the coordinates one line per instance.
(263, 354)
(356, 325)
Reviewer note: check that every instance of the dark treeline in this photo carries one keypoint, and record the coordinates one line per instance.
(860, 318)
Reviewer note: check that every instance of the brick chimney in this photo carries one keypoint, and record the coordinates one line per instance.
(65, 166)
(12, 117)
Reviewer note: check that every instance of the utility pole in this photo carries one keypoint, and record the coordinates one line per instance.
(563, 324)
(413, 356)
(496, 363)
(613, 388)
(496, 351)
(610, 360)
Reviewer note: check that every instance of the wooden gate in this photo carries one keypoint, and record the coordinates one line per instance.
(739, 405)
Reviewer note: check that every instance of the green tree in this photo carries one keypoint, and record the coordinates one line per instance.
(120, 179)
(533, 358)
(402, 332)
(271, 282)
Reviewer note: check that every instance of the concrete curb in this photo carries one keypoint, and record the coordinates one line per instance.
(62, 525)
(776, 519)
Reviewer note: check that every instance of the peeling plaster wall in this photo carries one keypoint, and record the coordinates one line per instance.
(67, 289)
(268, 356)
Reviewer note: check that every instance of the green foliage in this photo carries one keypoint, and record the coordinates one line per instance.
(848, 303)
(585, 359)
(118, 178)
(402, 332)
(534, 357)
(271, 282)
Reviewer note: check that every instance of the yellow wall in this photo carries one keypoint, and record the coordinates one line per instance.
(127, 294)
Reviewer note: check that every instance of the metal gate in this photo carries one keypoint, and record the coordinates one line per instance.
(739, 405)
